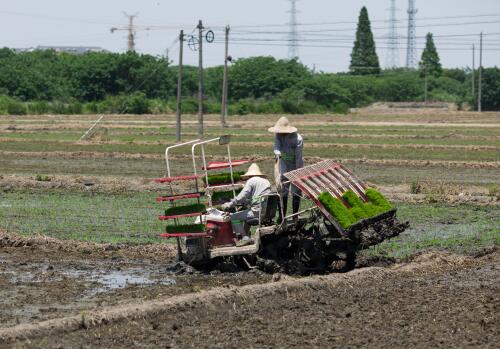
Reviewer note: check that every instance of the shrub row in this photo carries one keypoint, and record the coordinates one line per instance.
(135, 83)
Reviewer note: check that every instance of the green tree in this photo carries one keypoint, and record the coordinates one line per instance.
(430, 58)
(258, 77)
(364, 59)
(491, 89)
(323, 90)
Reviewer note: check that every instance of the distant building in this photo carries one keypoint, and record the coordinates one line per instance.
(77, 50)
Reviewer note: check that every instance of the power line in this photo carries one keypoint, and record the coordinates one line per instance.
(352, 29)
(349, 41)
(293, 48)
(354, 22)
(393, 51)
(257, 43)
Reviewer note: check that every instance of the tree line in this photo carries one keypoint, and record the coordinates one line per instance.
(49, 82)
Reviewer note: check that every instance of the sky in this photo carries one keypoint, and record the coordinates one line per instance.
(258, 27)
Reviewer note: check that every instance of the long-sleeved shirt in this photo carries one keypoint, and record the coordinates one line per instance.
(251, 193)
(289, 147)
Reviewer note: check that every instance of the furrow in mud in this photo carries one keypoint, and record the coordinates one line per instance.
(437, 299)
(308, 159)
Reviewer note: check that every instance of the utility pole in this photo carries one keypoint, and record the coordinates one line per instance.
(179, 90)
(223, 111)
(200, 78)
(473, 71)
(425, 83)
(480, 83)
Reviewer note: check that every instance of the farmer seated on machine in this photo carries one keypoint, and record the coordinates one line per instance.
(251, 197)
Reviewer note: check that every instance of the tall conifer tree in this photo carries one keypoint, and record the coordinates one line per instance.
(364, 59)
(430, 58)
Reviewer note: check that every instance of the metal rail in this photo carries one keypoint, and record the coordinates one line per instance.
(205, 168)
(176, 146)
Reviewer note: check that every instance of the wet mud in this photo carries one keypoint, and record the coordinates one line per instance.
(435, 300)
(43, 278)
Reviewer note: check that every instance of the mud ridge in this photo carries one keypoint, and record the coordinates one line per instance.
(425, 264)
(41, 243)
(269, 144)
(392, 162)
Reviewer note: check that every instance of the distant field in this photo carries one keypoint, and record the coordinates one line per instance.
(441, 137)
(460, 149)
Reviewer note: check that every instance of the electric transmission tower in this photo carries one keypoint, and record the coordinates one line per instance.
(393, 44)
(411, 49)
(130, 30)
(293, 36)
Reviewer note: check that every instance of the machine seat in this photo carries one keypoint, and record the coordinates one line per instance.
(267, 216)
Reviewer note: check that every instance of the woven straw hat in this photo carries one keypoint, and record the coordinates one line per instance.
(253, 171)
(282, 126)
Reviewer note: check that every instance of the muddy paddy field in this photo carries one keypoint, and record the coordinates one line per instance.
(81, 264)
(60, 295)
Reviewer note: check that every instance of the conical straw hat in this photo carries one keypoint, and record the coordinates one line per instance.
(253, 170)
(282, 126)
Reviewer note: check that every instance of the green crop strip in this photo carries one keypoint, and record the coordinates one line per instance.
(178, 210)
(186, 228)
(378, 199)
(219, 196)
(222, 178)
(337, 209)
(359, 210)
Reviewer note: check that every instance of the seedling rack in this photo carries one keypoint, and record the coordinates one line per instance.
(174, 198)
(327, 176)
(216, 165)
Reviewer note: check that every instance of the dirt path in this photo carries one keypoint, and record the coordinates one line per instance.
(270, 144)
(437, 300)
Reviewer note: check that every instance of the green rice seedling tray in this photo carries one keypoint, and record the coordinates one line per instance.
(187, 209)
(185, 228)
(358, 209)
(222, 178)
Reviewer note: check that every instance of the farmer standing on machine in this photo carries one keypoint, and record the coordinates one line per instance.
(251, 196)
(288, 146)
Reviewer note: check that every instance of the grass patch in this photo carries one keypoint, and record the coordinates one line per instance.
(86, 216)
(494, 190)
(458, 229)
(42, 178)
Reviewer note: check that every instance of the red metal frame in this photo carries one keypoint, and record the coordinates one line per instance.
(164, 218)
(328, 176)
(217, 165)
(178, 197)
(174, 179)
(181, 235)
